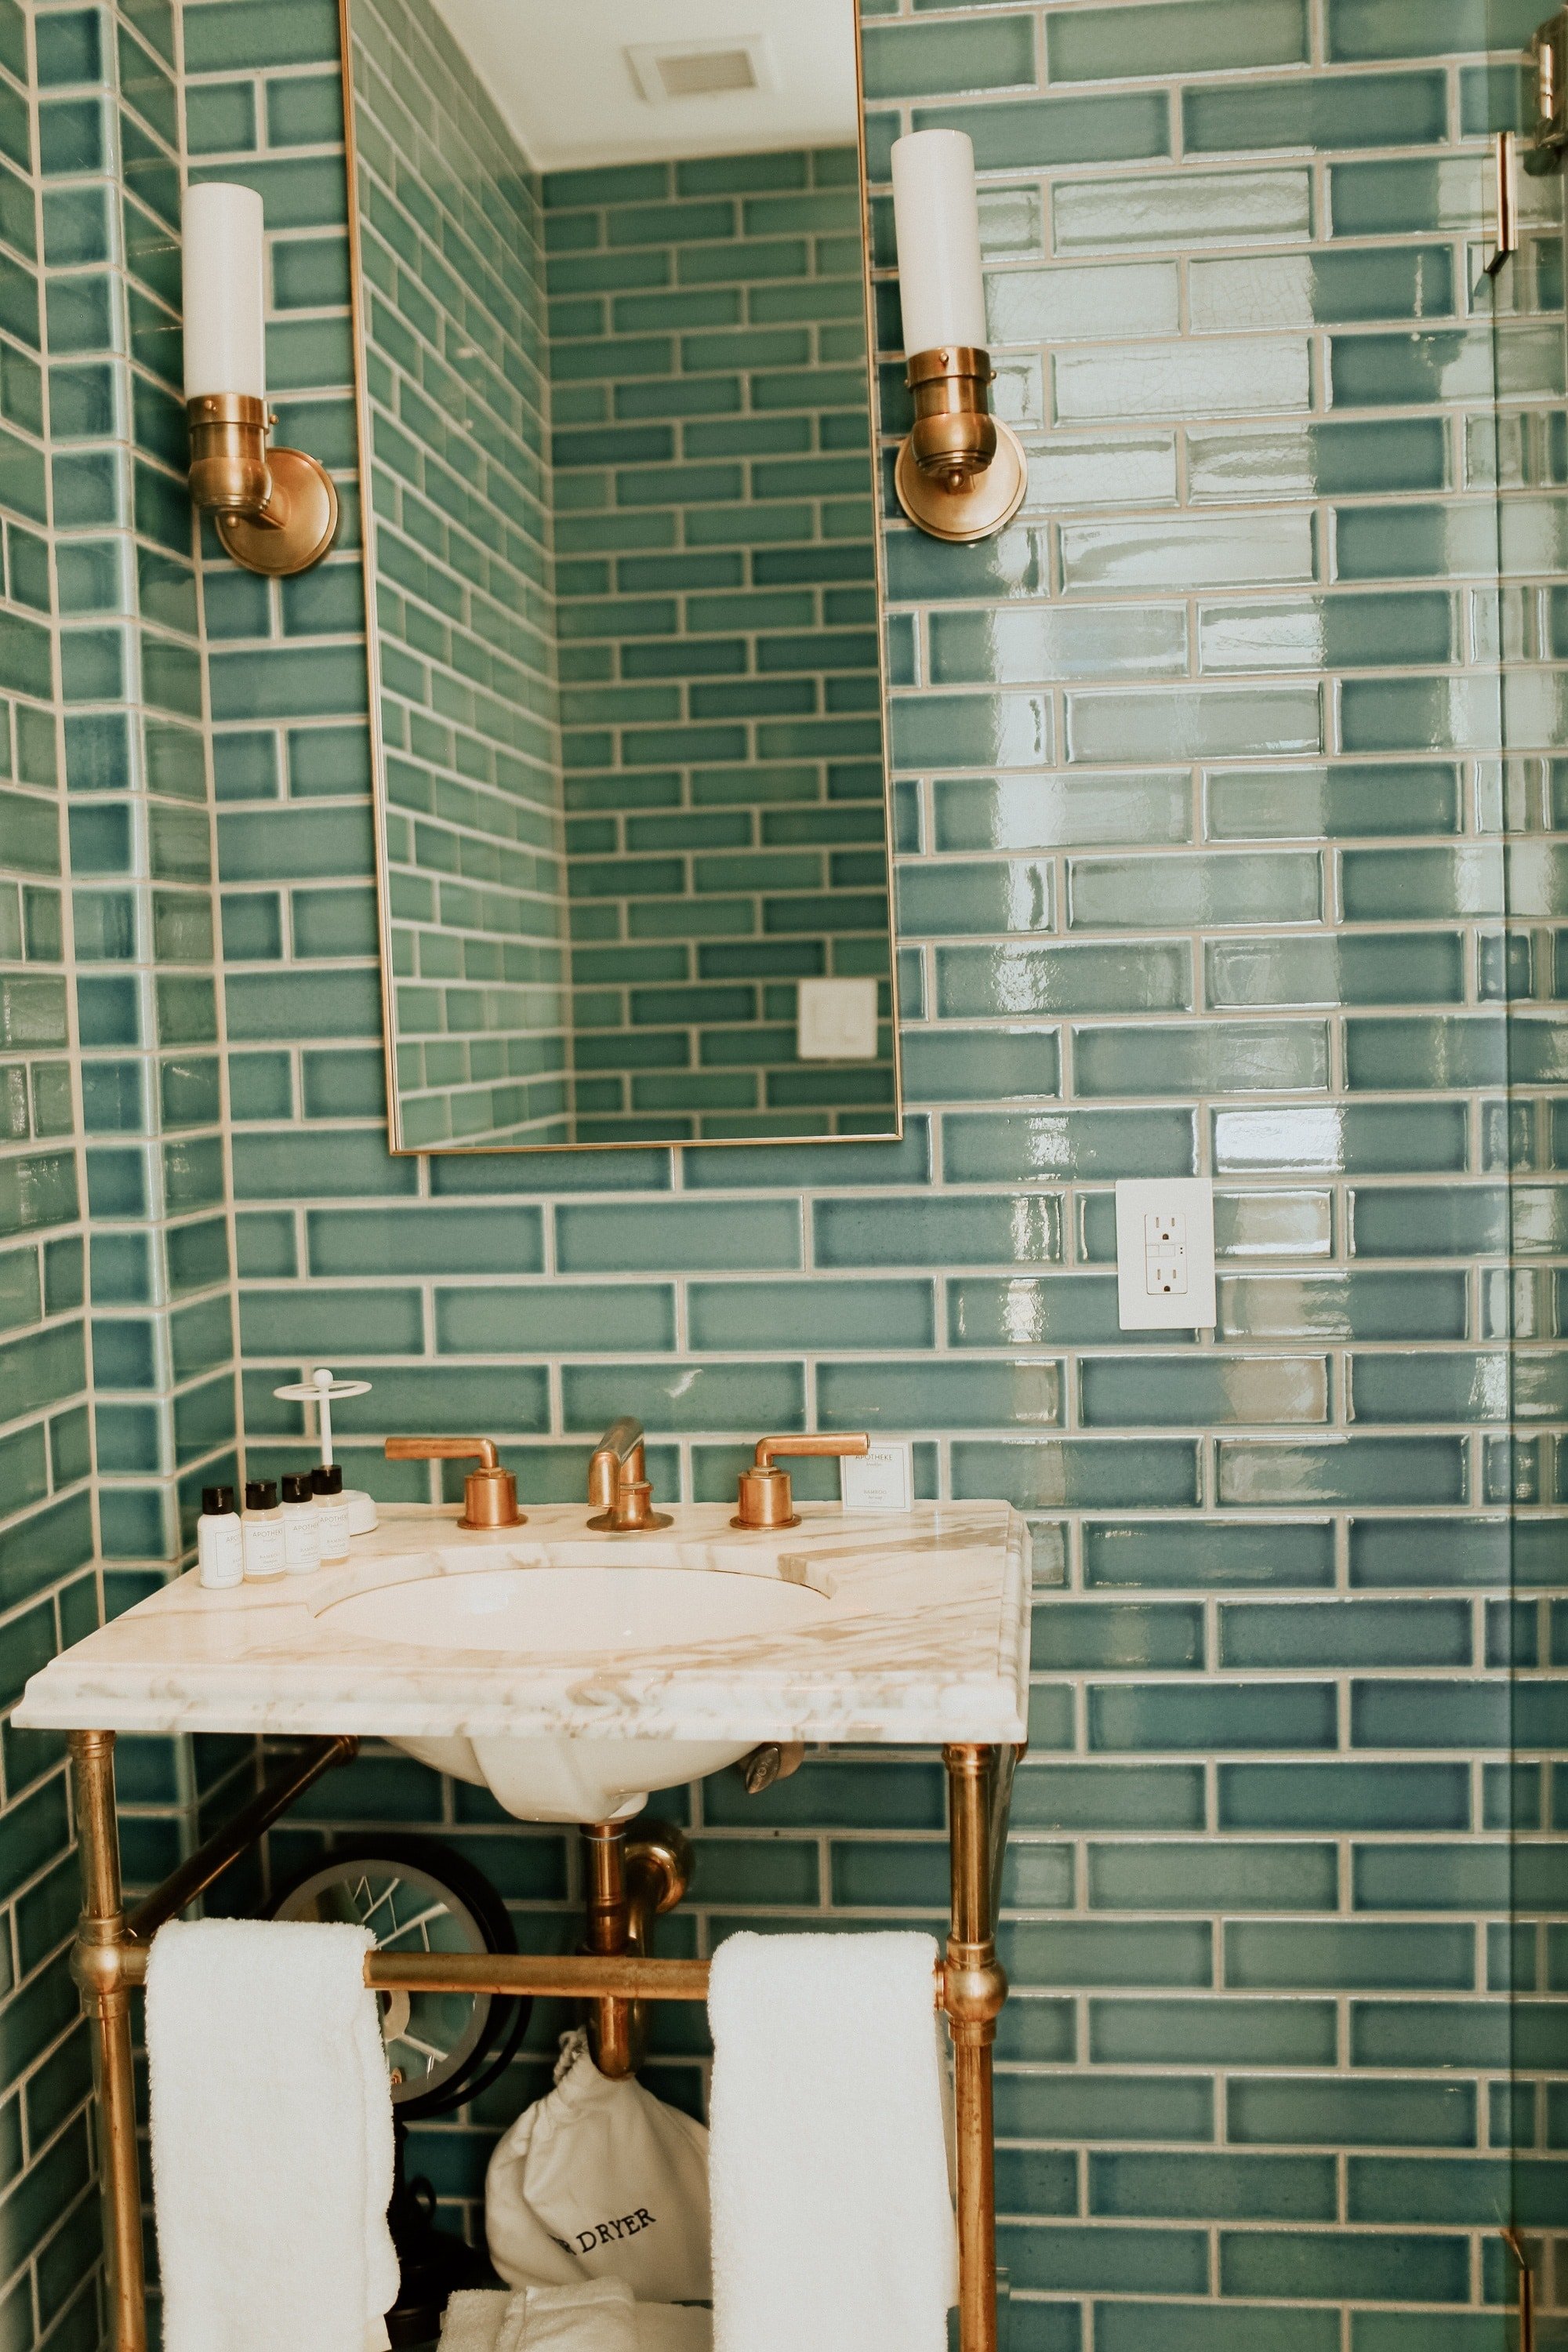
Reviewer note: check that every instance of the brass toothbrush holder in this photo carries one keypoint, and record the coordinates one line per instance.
(276, 510)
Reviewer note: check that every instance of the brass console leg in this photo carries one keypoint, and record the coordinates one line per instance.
(105, 1998)
(975, 1989)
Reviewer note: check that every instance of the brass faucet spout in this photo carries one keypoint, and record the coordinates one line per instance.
(619, 1494)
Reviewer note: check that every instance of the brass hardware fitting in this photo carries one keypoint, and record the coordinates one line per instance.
(961, 473)
(1515, 2245)
(775, 1760)
(1505, 203)
(619, 1494)
(766, 1500)
(631, 1880)
(489, 1493)
(1549, 54)
(276, 510)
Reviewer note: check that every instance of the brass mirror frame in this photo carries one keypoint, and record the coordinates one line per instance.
(875, 458)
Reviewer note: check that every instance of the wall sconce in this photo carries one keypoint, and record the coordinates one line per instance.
(275, 509)
(962, 474)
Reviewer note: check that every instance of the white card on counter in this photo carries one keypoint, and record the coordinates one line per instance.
(881, 1480)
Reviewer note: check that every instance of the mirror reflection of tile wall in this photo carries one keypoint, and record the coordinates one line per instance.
(624, 579)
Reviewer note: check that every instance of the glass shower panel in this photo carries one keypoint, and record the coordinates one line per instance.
(1527, 1316)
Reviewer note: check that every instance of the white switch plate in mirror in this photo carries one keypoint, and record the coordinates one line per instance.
(837, 1020)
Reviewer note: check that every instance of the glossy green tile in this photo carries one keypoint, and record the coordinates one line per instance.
(1014, 134)
(1193, 1877)
(1370, 29)
(1327, 110)
(1298, 1716)
(1213, 2327)
(1012, 981)
(1399, 1221)
(1199, 2032)
(1436, 1878)
(1221, 377)
(1202, 35)
(1347, 1470)
(1431, 2115)
(1429, 1715)
(1167, 891)
(1253, 1058)
(1338, 1633)
(1395, 969)
(1284, 1555)
(1332, 1954)
(1130, 1391)
(993, 52)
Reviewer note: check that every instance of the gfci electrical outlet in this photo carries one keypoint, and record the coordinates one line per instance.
(1165, 1253)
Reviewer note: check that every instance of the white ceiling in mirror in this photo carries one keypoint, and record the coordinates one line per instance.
(613, 81)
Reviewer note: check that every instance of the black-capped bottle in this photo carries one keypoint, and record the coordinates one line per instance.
(301, 1525)
(263, 1527)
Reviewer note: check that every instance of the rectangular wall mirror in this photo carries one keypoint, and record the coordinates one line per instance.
(610, 297)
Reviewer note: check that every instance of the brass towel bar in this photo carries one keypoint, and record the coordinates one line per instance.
(540, 1980)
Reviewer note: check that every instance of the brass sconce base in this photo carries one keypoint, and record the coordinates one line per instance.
(278, 552)
(276, 510)
(986, 503)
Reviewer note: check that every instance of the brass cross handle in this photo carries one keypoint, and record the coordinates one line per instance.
(489, 1493)
(765, 1497)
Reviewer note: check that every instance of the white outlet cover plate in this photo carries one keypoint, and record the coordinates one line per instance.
(837, 1020)
(1191, 1198)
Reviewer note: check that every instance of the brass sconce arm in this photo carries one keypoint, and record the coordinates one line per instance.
(961, 473)
(276, 510)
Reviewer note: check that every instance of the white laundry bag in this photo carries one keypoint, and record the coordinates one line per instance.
(600, 2179)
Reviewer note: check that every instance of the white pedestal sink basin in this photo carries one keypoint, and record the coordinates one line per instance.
(572, 1674)
(574, 1611)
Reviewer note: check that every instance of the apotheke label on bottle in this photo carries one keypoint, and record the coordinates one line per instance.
(881, 1480)
(263, 1548)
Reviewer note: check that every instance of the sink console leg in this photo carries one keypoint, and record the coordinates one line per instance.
(106, 1998)
(976, 1988)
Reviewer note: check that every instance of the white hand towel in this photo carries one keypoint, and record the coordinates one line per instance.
(832, 2222)
(474, 2321)
(272, 2152)
(596, 2316)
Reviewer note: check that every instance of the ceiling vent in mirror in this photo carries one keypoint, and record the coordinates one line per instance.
(666, 71)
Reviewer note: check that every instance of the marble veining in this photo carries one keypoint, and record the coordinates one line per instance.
(922, 1636)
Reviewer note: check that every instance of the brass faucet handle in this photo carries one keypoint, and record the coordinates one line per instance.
(489, 1493)
(766, 1500)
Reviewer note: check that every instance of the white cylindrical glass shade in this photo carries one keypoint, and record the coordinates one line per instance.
(226, 332)
(937, 215)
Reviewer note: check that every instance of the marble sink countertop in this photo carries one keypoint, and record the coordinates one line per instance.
(922, 1636)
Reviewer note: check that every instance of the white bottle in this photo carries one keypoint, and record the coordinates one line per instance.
(331, 1511)
(302, 1526)
(220, 1541)
(263, 1526)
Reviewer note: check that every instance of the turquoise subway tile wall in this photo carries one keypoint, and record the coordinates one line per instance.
(1229, 844)
(1202, 813)
(720, 686)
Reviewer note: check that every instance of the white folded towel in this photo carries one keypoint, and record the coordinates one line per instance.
(833, 2224)
(596, 2316)
(272, 2151)
(474, 2321)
